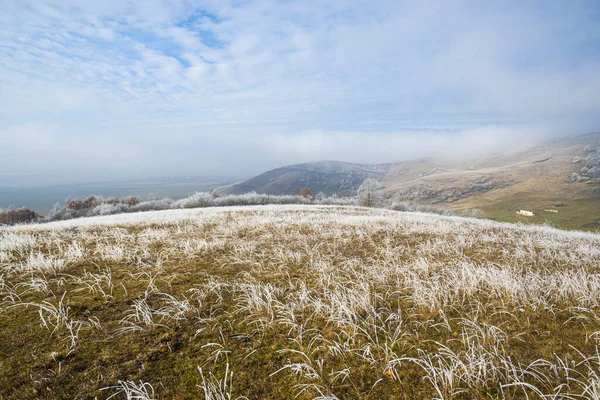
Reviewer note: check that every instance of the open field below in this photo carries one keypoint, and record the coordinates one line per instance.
(576, 214)
(307, 302)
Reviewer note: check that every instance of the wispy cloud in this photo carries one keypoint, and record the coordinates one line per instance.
(211, 80)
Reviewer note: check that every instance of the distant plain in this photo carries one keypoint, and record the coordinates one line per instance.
(41, 199)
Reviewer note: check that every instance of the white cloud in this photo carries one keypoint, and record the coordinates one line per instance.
(373, 147)
(273, 82)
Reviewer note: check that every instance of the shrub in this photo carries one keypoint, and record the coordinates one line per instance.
(196, 200)
(131, 201)
(18, 216)
(306, 194)
(412, 207)
(74, 204)
(473, 212)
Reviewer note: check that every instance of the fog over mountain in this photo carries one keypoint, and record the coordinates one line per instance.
(96, 90)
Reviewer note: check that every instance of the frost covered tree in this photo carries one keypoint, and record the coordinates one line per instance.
(306, 194)
(366, 192)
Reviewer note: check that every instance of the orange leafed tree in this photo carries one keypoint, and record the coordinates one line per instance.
(306, 193)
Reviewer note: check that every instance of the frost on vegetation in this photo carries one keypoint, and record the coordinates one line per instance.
(143, 316)
(98, 205)
(10, 241)
(192, 248)
(214, 388)
(367, 193)
(35, 284)
(4, 257)
(131, 391)
(110, 252)
(75, 252)
(95, 283)
(151, 235)
(447, 302)
(57, 318)
(39, 262)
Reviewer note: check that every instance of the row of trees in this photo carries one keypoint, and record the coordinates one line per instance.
(366, 194)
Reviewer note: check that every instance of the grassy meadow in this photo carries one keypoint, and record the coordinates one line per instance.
(292, 301)
(576, 214)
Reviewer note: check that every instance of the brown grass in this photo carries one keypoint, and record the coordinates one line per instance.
(313, 302)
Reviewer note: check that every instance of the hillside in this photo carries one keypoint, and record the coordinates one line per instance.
(533, 178)
(328, 177)
(307, 302)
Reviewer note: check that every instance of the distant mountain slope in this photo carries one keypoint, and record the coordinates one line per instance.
(329, 177)
(564, 170)
(544, 168)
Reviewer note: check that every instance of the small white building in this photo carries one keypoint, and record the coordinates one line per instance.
(526, 213)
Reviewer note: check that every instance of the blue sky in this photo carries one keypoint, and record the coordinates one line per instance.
(92, 89)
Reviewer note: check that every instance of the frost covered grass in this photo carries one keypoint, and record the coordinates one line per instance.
(294, 301)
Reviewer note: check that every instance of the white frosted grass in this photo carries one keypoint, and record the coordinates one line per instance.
(429, 284)
(459, 284)
(40, 262)
(350, 216)
(94, 283)
(214, 388)
(142, 316)
(192, 248)
(111, 252)
(75, 252)
(131, 390)
(378, 277)
(5, 257)
(151, 235)
(35, 284)
(11, 241)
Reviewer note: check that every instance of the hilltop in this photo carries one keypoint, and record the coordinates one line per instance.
(307, 302)
(327, 177)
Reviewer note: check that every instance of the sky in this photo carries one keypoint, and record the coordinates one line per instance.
(119, 89)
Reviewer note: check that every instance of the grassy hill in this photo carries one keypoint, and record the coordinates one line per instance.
(307, 302)
(534, 178)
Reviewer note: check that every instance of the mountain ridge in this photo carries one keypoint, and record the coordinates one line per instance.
(326, 176)
(563, 169)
